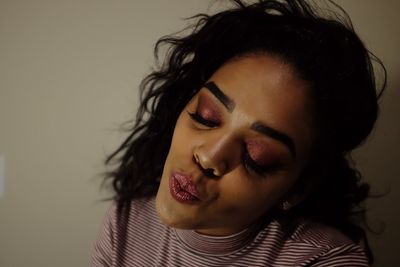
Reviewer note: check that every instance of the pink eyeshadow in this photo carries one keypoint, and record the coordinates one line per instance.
(207, 109)
(257, 152)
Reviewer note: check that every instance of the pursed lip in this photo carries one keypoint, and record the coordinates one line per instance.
(183, 189)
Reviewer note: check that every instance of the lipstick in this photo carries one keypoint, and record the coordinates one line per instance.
(183, 189)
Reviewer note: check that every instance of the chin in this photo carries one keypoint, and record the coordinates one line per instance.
(169, 214)
(165, 210)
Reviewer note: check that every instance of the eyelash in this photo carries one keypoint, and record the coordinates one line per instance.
(248, 162)
(200, 119)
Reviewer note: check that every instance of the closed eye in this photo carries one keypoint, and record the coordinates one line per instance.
(262, 170)
(195, 116)
(251, 165)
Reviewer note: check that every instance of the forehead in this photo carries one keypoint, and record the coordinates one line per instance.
(259, 76)
(265, 89)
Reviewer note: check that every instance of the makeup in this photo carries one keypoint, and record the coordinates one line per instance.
(183, 189)
(257, 152)
(225, 100)
(277, 135)
(261, 158)
(207, 109)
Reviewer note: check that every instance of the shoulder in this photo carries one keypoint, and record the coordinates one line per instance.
(130, 225)
(138, 209)
(137, 218)
(326, 246)
(318, 235)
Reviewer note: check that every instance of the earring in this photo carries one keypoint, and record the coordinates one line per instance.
(286, 205)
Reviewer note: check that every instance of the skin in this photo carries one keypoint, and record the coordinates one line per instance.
(262, 89)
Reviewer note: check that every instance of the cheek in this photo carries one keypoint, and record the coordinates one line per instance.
(179, 132)
(246, 194)
(182, 139)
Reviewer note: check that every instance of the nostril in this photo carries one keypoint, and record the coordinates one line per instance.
(204, 166)
(209, 173)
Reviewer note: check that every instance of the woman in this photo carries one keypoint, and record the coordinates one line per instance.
(240, 152)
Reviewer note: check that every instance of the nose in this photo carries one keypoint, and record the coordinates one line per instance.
(216, 157)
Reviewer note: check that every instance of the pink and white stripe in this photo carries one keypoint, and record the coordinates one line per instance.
(140, 239)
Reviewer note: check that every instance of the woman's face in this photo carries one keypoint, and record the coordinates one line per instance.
(238, 147)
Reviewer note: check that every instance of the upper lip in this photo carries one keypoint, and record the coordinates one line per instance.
(187, 184)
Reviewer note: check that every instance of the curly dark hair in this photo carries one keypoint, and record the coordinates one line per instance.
(324, 51)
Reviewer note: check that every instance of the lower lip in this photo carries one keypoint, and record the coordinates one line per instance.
(179, 194)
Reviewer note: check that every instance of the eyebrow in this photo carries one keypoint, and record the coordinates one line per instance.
(257, 126)
(223, 98)
(277, 135)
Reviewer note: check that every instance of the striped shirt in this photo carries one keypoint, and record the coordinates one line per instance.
(141, 239)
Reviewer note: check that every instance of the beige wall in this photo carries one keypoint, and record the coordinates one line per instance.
(68, 77)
